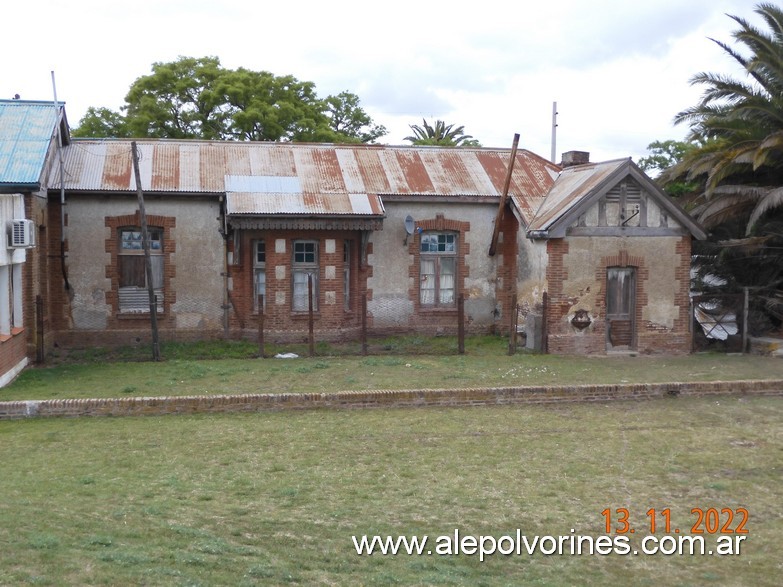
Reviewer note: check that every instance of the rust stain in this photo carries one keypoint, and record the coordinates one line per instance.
(212, 167)
(371, 171)
(418, 181)
(118, 167)
(165, 167)
(327, 170)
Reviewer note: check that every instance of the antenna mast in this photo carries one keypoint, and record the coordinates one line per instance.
(554, 132)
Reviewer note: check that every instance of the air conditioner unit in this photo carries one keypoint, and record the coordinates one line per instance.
(21, 234)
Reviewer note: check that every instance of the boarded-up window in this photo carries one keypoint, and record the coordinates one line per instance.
(133, 292)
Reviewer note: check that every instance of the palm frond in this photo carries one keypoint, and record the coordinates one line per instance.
(773, 199)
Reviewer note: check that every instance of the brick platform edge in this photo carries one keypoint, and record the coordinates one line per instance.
(149, 406)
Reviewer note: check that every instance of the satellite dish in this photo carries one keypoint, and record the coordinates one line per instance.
(409, 224)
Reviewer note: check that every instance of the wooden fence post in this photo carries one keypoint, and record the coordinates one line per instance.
(512, 335)
(364, 324)
(261, 326)
(461, 324)
(311, 336)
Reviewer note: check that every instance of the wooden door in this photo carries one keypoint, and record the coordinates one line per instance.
(620, 308)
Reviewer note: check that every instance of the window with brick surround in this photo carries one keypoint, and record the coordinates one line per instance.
(305, 264)
(438, 269)
(259, 272)
(133, 290)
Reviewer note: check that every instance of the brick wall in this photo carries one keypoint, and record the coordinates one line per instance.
(331, 318)
(507, 270)
(382, 399)
(13, 349)
(35, 280)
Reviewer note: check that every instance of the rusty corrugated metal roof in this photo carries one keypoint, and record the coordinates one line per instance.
(270, 203)
(202, 167)
(26, 131)
(572, 186)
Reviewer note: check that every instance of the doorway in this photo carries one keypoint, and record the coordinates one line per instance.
(620, 308)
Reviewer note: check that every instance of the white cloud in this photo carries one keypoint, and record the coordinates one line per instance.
(619, 71)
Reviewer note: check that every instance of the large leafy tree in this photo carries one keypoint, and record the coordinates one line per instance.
(198, 98)
(737, 130)
(664, 155)
(348, 118)
(440, 134)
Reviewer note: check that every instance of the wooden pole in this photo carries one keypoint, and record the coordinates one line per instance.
(145, 239)
(503, 197)
(544, 333)
(261, 326)
(461, 324)
(512, 335)
(310, 313)
(364, 324)
(745, 313)
(39, 330)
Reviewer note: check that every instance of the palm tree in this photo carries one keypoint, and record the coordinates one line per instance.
(737, 132)
(737, 127)
(440, 135)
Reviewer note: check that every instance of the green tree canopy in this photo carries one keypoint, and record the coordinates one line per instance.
(664, 155)
(440, 134)
(197, 98)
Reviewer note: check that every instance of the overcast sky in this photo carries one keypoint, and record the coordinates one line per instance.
(618, 70)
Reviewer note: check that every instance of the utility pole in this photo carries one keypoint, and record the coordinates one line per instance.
(145, 239)
(504, 196)
(554, 133)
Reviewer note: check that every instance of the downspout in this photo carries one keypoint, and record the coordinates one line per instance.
(62, 186)
(226, 295)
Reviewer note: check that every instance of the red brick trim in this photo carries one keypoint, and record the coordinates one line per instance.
(545, 394)
(439, 224)
(114, 223)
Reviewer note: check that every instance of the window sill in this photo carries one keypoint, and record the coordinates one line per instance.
(136, 315)
(304, 315)
(438, 310)
(16, 331)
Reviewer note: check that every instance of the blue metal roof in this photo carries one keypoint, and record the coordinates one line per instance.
(26, 130)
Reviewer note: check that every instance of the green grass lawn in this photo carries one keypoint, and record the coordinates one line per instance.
(274, 498)
(400, 363)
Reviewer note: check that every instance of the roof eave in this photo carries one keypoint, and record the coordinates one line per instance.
(19, 188)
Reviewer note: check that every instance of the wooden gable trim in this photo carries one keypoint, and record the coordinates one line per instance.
(562, 226)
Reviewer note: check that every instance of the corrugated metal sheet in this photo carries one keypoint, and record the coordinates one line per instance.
(202, 167)
(265, 184)
(264, 204)
(26, 130)
(572, 186)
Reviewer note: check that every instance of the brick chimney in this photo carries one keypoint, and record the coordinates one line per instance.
(571, 158)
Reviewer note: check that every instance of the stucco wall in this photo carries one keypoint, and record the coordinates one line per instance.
(660, 256)
(197, 256)
(532, 262)
(577, 280)
(393, 284)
